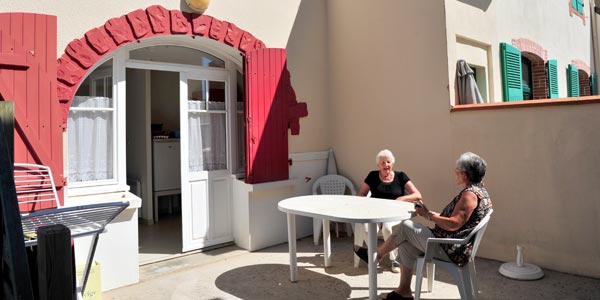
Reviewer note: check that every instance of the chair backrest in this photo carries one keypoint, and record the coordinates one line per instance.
(332, 185)
(478, 232)
(35, 187)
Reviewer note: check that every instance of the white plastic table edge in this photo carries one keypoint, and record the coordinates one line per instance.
(304, 209)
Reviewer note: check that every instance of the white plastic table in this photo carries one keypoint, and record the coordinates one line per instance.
(350, 209)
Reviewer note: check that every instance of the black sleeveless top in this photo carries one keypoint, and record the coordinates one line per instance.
(387, 190)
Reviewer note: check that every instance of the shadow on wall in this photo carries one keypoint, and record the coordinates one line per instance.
(272, 281)
(481, 4)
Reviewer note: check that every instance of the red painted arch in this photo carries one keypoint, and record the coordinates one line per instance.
(81, 54)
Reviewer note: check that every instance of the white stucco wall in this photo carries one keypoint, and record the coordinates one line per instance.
(488, 23)
(75, 17)
(117, 248)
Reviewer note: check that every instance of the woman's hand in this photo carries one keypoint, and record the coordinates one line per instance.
(363, 191)
(421, 209)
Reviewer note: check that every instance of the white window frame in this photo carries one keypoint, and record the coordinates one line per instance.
(114, 184)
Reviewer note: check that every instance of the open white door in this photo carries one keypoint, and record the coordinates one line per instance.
(205, 170)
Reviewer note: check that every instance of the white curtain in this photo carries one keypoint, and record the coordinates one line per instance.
(90, 132)
(207, 136)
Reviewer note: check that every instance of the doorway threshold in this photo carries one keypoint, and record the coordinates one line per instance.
(183, 254)
(189, 260)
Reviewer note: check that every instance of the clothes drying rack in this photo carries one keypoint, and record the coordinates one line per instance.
(82, 221)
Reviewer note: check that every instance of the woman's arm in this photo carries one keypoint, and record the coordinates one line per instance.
(413, 193)
(364, 190)
(461, 214)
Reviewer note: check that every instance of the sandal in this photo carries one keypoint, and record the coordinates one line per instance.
(395, 296)
(362, 253)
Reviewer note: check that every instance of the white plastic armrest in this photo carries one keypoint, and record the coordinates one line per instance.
(447, 241)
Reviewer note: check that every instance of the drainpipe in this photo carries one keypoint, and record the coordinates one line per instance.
(594, 12)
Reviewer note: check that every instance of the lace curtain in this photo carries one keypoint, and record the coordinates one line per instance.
(90, 131)
(207, 135)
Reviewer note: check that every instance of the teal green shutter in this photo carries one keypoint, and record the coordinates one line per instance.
(552, 72)
(511, 72)
(573, 81)
(593, 84)
(580, 6)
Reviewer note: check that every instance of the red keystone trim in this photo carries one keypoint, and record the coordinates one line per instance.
(100, 41)
(201, 24)
(139, 23)
(526, 45)
(81, 54)
(581, 65)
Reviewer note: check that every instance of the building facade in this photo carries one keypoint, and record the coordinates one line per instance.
(250, 95)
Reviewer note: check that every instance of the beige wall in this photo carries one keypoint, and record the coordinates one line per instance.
(308, 63)
(485, 24)
(542, 175)
(388, 79)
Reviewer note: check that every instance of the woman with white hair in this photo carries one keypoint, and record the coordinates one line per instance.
(386, 183)
(456, 220)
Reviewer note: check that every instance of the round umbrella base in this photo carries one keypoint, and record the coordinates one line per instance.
(524, 272)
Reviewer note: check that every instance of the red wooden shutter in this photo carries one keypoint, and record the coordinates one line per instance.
(28, 78)
(271, 108)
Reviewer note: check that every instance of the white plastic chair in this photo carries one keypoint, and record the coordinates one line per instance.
(330, 185)
(464, 276)
(35, 187)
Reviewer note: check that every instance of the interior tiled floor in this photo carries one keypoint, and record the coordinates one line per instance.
(160, 240)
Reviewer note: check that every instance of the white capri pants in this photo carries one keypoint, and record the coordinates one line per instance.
(411, 239)
(361, 232)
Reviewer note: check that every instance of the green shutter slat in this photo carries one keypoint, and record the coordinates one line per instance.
(511, 72)
(580, 6)
(593, 84)
(552, 72)
(573, 81)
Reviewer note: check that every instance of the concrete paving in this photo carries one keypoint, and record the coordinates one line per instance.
(233, 273)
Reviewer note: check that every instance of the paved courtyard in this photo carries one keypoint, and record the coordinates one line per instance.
(233, 273)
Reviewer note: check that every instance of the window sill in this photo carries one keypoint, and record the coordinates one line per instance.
(88, 190)
(527, 103)
(134, 201)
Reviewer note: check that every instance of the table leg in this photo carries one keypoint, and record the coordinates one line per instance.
(326, 243)
(372, 244)
(291, 220)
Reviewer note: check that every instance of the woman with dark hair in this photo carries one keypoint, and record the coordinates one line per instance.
(456, 220)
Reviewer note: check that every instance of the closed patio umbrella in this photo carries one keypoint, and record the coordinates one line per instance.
(331, 165)
(468, 93)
